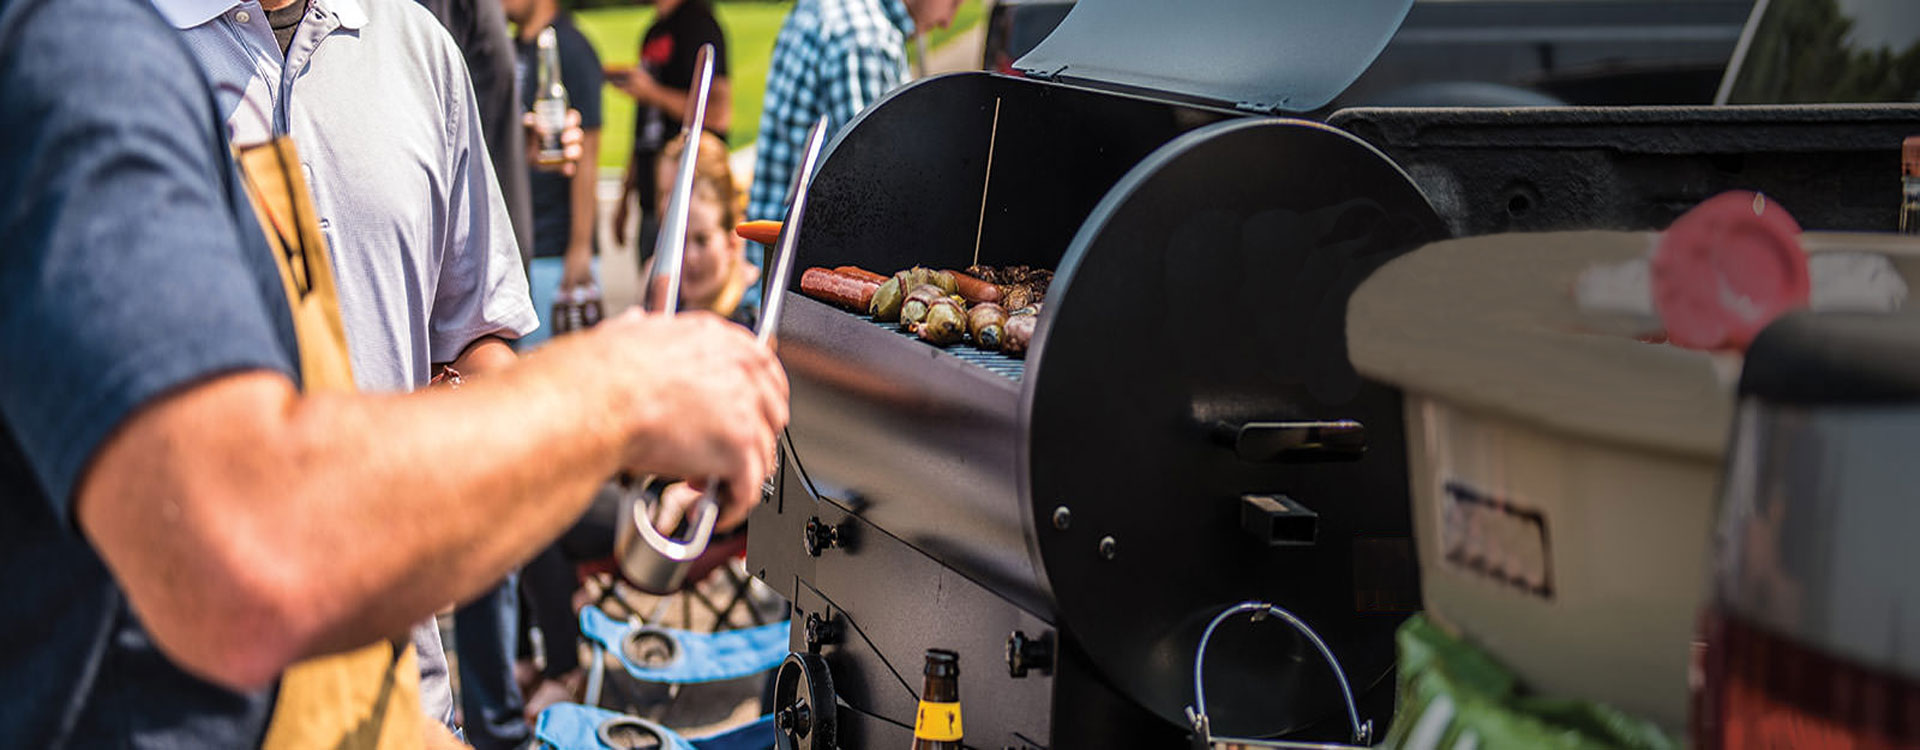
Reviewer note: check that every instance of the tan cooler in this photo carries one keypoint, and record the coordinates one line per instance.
(1564, 470)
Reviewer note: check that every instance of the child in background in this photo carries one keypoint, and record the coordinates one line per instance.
(715, 272)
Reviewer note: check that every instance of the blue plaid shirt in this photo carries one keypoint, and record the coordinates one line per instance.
(833, 58)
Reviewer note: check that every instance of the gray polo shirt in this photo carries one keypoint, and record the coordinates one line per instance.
(377, 98)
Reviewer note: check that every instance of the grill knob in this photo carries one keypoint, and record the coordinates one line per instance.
(1025, 654)
(821, 536)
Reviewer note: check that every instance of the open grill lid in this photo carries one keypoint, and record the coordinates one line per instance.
(1267, 56)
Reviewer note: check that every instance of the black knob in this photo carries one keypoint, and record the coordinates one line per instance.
(821, 632)
(820, 536)
(1024, 654)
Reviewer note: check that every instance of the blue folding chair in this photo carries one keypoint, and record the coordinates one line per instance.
(672, 656)
(571, 726)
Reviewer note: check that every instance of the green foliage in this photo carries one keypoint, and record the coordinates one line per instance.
(615, 27)
(1803, 53)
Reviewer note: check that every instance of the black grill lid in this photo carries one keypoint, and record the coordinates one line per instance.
(1258, 55)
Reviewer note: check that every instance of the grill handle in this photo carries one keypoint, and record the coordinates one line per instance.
(1296, 442)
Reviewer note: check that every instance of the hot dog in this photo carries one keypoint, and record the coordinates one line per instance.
(845, 291)
(975, 291)
(860, 273)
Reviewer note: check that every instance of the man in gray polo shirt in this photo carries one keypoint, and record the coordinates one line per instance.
(378, 98)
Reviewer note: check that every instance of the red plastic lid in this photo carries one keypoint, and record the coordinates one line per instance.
(1726, 269)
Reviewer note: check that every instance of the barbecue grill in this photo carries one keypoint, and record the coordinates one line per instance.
(1186, 432)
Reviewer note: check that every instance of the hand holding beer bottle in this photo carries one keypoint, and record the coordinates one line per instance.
(553, 128)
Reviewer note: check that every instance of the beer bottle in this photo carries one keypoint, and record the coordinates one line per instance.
(936, 726)
(550, 102)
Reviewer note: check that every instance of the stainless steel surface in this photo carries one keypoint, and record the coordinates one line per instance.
(671, 246)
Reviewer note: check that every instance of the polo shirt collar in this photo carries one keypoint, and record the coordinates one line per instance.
(896, 11)
(186, 14)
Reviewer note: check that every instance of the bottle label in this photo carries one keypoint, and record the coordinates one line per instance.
(937, 722)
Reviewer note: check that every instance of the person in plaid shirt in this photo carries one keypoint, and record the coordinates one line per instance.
(833, 58)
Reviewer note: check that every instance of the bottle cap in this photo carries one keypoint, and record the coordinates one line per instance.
(1726, 269)
(1910, 156)
(942, 663)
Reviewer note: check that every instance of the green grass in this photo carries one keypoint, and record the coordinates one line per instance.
(750, 27)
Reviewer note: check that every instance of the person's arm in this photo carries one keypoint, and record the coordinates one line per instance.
(649, 92)
(252, 526)
(580, 67)
(584, 185)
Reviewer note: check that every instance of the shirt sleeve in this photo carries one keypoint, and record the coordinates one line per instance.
(860, 70)
(580, 72)
(482, 287)
(708, 31)
(129, 270)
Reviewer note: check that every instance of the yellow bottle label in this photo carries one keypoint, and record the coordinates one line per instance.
(939, 722)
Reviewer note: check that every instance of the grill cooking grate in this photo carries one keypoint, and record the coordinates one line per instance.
(1012, 368)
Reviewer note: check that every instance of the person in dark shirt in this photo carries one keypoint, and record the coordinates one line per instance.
(659, 88)
(563, 206)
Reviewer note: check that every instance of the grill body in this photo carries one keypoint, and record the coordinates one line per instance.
(1087, 496)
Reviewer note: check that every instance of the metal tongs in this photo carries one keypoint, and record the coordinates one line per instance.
(659, 563)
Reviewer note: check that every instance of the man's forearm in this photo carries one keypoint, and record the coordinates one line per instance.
(309, 524)
(584, 201)
(719, 103)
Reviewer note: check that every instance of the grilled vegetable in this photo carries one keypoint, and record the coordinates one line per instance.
(914, 308)
(918, 275)
(839, 289)
(975, 290)
(987, 322)
(885, 304)
(1020, 331)
(946, 322)
(860, 273)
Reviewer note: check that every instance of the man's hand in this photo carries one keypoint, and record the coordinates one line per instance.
(709, 400)
(621, 210)
(570, 140)
(638, 84)
(576, 269)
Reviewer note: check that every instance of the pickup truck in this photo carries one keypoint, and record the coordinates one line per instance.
(1501, 52)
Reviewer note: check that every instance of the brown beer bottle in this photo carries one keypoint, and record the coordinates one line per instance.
(936, 726)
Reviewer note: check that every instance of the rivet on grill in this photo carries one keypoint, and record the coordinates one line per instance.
(1107, 548)
(1062, 518)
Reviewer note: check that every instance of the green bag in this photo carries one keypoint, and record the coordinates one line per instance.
(1455, 697)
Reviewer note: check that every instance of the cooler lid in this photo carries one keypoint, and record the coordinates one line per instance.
(1265, 56)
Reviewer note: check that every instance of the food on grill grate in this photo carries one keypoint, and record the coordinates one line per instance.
(1019, 332)
(847, 291)
(987, 322)
(885, 305)
(945, 323)
(976, 290)
(918, 302)
(1020, 286)
(861, 273)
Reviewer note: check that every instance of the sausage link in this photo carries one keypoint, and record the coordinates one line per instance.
(844, 291)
